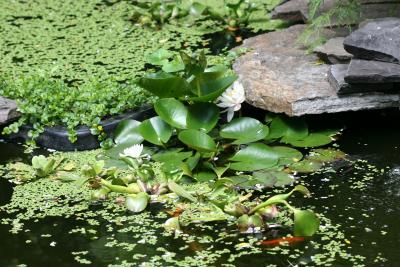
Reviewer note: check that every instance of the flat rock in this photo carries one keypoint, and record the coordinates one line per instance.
(333, 52)
(336, 76)
(283, 78)
(376, 40)
(294, 10)
(8, 110)
(370, 71)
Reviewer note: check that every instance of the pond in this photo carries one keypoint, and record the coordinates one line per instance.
(359, 199)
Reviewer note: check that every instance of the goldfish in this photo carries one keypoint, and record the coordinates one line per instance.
(279, 241)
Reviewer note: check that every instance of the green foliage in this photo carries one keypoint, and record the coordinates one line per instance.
(43, 166)
(345, 13)
(47, 102)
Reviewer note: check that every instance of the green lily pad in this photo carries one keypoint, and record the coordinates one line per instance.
(155, 130)
(306, 223)
(127, 132)
(172, 111)
(244, 130)
(202, 116)
(197, 140)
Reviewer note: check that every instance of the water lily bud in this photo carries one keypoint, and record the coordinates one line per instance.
(243, 223)
(268, 212)
(134, 187)
(142, 186)
(255, 221)
(172, 224)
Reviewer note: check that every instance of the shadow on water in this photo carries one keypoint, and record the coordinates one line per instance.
(369, 216)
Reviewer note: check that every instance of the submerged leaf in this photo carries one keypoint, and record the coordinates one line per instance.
(306, 223)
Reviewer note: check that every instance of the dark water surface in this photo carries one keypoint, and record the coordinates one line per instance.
(369, 217)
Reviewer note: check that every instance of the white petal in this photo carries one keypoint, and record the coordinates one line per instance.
(229, 117)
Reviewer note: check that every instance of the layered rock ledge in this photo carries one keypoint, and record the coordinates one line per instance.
(281, 77)
(8, 110)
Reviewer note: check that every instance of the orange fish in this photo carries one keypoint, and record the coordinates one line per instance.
(175, 213)
(279, 241)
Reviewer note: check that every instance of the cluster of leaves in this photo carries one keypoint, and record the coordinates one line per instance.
(46, 102)
(345, 13)
(157, 13)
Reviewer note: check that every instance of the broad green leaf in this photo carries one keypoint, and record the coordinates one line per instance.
(313, 140)
(197, 140)
(306, 166)
(159, 57)
(254, 157)
(244, 130)
(326, 155)
(287, 155)
(288, 128)
(172, 111)
(204, 176)
(155, 131)
(174, 66)
(202, 116)
(170, 154)
(164, 85)
(211, 90)
(197, 9)
(306, 223)
(137, 203)
(270, 178)
(127, 132)
(180, 191)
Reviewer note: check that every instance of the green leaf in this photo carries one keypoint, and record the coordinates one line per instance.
(204, 176)
(211, 90)
(202, 116)
(164, 85)
(313, 140)
(127, 132)
(173, 153)
(270, 178)
(155, 131)
(180, 191)
(306, 223)
(197, 9)
(254, 157)
(174, 66)
(137, 203)
(172, 111)
(244, 130)
(288, 128)
(306, 166)
(287, 155)
(326, 155)
(197, 140)
(159, 57)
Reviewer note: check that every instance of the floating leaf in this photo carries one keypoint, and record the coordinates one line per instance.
(155, 131)
(313, 140)
(211, 90)
(159, 57)
(326, 155)
(127, 132)
(287, 155)
(197, 140)
(270, 178)
(288, 128)
(164, 85)
(306, 223)
(137, 203)
(202, 116)
(180, 191)
(172, 111)
(306, 166)
(174, 66)
(254, 157)
(244, 130)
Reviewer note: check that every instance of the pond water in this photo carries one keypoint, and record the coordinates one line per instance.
(361, 196)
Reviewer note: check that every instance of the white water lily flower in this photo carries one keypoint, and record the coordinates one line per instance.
(232, 99)
(134, 151)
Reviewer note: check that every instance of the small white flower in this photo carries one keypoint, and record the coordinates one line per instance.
(134, 151)
(232, 99)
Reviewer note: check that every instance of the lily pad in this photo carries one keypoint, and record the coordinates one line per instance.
(244, 130)
(197, 140)
(172, 111)
(306, 223)
(202, 116)
(155, 130)
(127, 132)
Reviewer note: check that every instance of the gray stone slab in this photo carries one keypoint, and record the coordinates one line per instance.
(336, 79)
(8, 110)
(333, 52)
(294, 10)
(369, 71)
(283, 78)
(376, 40)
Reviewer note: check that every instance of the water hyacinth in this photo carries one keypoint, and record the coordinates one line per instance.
(232, 99)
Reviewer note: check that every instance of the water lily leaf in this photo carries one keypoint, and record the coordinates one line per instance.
(244, 130)
(197, 140)
(127, 132)
(175, 65)
(326, 155)
(306, 166)
(202, 116)
(164, 85)
(159, 57)
(204, 176)
(270, 178)
(306, 223)
(287, 155)
(197, 9)
(170, 154)
(180, 191)
(155, 130)
(288, 128)
(211, 90)
(193, 161)
(254, 157)
(312, 140)
(137, 203)
(172, 111)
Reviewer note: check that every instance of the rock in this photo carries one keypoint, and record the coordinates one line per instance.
(336, 76)
(376, 40)
(369, 71)
(8, 110)
(282, 78)
(294, 10)
(333, 52)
